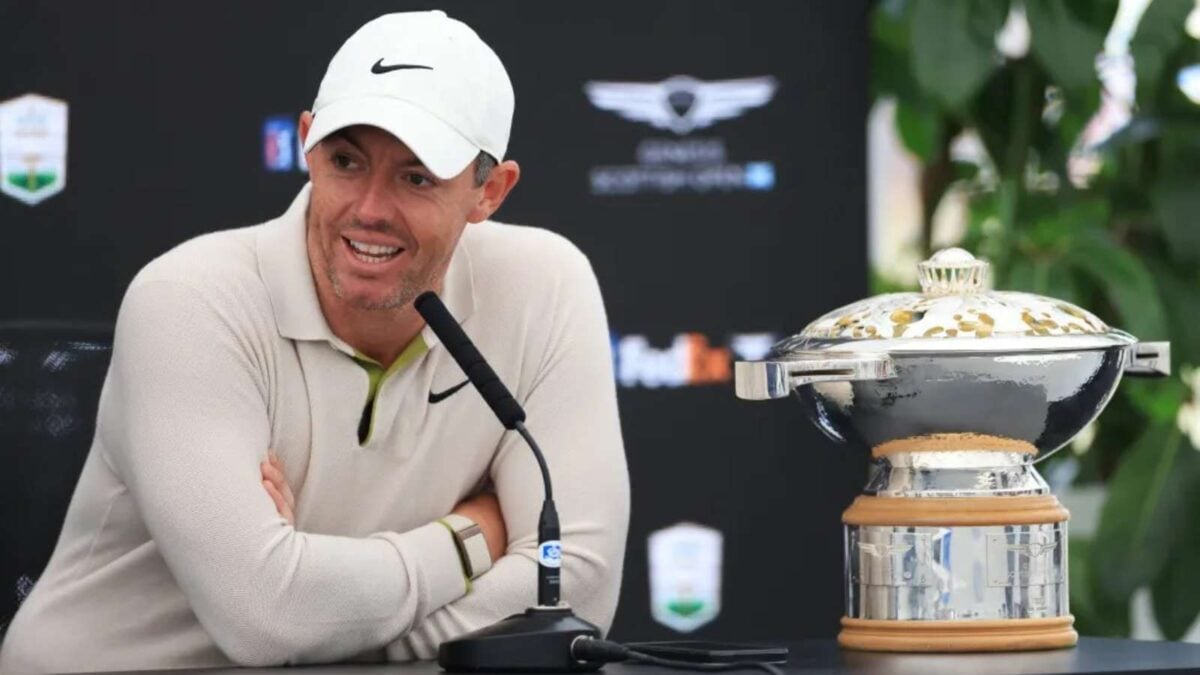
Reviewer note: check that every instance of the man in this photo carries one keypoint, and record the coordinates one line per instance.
(298, 338)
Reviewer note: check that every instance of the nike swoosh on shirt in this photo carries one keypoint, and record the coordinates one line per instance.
(434, 397)
(380, 69)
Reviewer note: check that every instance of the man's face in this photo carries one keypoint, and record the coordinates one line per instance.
(382, 227)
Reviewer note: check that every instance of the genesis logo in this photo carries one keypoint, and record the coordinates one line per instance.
(681, 103)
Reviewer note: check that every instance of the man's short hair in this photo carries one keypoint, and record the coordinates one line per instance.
(484, 163)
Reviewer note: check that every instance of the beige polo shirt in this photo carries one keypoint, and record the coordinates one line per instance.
(172, 554)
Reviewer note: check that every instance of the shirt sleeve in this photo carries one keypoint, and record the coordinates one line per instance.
(571, 408)
(184, 422)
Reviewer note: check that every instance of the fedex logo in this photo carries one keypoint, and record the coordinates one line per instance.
(689, 360)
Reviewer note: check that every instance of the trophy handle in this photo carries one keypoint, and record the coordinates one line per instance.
(1149, 359)
(762, 380)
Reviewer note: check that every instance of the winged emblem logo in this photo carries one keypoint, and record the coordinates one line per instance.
(681, 103)
(1034, 549)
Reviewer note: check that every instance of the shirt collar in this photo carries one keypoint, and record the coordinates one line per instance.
(285, 269)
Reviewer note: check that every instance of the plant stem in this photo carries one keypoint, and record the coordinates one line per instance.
(1012, 171)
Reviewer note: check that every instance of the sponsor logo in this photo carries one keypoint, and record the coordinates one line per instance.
(685, 576)
(380, 69)
(681, 105)
(550, 554)
(438, 397)
(689, 360)
(33, 147)
(281, 145)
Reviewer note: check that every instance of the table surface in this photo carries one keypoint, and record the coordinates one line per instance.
(1093, 655)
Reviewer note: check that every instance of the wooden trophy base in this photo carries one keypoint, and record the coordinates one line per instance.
(1006, 635)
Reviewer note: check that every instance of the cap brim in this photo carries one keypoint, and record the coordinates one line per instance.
(442, 150)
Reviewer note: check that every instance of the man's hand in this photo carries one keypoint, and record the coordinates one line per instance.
(484, 510)
(277, 487)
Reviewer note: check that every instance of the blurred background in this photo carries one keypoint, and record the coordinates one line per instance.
(809, 155)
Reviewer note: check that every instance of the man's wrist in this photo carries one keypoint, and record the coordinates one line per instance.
(471, 545)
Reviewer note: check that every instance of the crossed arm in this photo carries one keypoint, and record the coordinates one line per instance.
(483, 509)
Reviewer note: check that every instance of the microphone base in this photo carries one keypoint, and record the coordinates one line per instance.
(537, 641)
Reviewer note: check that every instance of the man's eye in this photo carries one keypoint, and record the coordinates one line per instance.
(418, 180)
(341, 160)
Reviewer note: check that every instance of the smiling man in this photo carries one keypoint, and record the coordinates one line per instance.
(287, 467)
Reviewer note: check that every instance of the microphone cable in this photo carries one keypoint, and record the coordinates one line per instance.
(585, 648)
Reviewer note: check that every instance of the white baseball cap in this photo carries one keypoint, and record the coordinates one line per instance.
(425, 78)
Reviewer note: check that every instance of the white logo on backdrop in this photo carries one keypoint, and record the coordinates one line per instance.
(33, 147)
(685, 576)
(682, 103)
(695, 164)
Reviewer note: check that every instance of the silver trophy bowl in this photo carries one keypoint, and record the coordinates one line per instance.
(1037, 399)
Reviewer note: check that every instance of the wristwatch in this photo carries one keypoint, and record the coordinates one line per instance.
(472, 547)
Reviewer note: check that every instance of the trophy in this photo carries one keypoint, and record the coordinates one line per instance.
(956, 544)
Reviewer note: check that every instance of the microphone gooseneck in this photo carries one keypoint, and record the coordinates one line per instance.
(512, 416)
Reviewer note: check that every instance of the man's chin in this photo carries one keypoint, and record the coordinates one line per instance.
(377, 303)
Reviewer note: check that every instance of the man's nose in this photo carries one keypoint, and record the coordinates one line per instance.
(374, 206)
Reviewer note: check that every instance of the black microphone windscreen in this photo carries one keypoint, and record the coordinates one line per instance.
(444, 325)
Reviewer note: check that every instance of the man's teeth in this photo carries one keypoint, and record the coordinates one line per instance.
(372, 252)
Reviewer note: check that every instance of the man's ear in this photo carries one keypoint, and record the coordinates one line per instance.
(306, 119)
(503, 178)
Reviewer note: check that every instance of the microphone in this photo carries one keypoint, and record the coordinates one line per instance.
(541, 638)
(433, 310)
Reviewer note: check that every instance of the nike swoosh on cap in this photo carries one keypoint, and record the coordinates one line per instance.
(441, 396)
(380, 69)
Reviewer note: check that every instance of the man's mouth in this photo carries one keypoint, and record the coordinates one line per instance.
(372, 253)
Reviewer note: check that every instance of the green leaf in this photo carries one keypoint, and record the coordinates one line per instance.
(1176, 591)
(891, 74)
(1156, 400)
(1095, 613)
(1139, 519)
(1175, 197)
(1126, 281)
(1159, 34)
(953, 46)
(1177, 202)
(920, 128)
(1066, 46)
(1022, 275)
(1182, 303)
(1059, 227)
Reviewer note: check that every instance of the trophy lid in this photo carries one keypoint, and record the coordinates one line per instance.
(955, 311)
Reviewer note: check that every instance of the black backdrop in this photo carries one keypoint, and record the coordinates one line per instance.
(167, 106)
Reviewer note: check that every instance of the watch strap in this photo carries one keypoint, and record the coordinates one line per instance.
(471, 545)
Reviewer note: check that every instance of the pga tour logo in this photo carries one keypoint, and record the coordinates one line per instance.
(33, 147)
(550, 554)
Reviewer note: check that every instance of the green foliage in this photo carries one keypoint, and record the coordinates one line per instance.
(1124, 244)
(952, 46)
(1139, 522)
